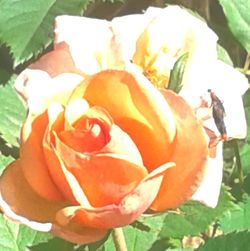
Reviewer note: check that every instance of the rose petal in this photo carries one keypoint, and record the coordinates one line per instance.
(39, 90)
(125, 212)
(87, 129)
(90, 50)
(52, 63)
(32, 159)
(74, 111)
(190, 155)
(79, 234)
(20, 203)
(137, 108)
(162, 43)
(127, 29)
(127, 150)
(99, 174)
(209, 190)
(63, 179)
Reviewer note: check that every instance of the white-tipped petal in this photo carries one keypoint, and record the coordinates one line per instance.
(209, 189)
(40, 90)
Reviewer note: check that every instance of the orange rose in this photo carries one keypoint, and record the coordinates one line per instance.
(97, 158)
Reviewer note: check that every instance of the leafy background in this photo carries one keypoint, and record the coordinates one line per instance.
(26, 32)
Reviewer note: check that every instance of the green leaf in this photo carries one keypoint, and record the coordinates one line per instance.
(193, 217)
(26, 26)
(16, 237)
(237, 14)
(237, 218)
(180, 249)
(223, 55)
(55, 244)
(230, 242)
(12, 114)
(175, 80)
(136, 239)
(4, 161)
(244, 145)
(4, 76)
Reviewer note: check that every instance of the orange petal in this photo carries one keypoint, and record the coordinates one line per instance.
(55, 63)
(137, 108)
(86, 130)
(79, 234)
(20, 203)
(32, 158)
(105, 178)
(129, 208)
(190, 155)
(63, 179)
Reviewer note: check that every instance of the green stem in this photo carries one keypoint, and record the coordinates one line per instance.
(119, 239)
(238, 162)
(247, 63)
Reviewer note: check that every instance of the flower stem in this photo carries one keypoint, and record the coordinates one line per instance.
(238, 162)
(119, 239)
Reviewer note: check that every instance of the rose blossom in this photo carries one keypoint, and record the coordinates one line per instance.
(101, 144)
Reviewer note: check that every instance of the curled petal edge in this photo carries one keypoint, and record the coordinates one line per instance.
(130, 207)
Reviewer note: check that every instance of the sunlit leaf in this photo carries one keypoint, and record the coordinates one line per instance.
(237, 218)
(237, 14)
(136, 239)
(15, 237)
(27, 26)
(12, 114)
(194, 217)
(230, 242)
(55, 244)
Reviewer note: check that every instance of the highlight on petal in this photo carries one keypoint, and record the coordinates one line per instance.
(128, 28)
(30, 82)
(137, 108)
(123, 213)
(88, 41)
(209, 190)
(40, 90)
(190, 156)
